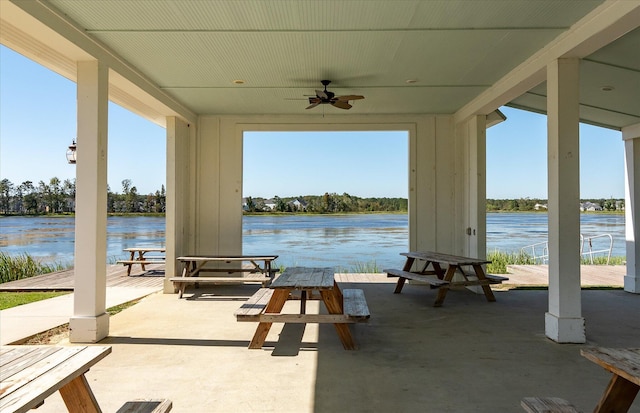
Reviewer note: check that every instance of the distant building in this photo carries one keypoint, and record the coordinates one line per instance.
(298, 205)
(538, 207)
(269, 204)
(590, 206)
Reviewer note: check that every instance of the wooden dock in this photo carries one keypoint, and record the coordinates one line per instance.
(591, 275)
(519, 275)
(116, 277)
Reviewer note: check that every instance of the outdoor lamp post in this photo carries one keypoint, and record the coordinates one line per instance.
(71, 153)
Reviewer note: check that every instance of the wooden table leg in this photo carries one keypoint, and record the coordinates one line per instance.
(333, 301)
(442, 292)
(141, 258)
(78, 397)
(618, 396)
(303, 301)
(438, 269)
(485, 287)
(183, 286)
(275, 305)
(407, 267)
(131, 258)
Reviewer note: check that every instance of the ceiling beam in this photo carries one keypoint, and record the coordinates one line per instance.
(606, 23)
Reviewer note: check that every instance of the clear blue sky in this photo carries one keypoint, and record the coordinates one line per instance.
(37, 123)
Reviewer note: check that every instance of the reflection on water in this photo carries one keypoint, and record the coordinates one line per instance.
(343, 241)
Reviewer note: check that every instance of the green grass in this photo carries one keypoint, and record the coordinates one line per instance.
(603, 261)
(370, 267)
(500, 260)
(14, 299)
(17, 267)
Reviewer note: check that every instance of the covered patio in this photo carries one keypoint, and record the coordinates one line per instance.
(467, 356)
(209, 71)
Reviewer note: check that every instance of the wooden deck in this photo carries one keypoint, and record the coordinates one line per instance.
(591, 275)
(116, 277)
(519, 275)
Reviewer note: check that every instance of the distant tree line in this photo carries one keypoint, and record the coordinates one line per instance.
(535, 204)
(329, 203)
(59, 197)
(56, 197)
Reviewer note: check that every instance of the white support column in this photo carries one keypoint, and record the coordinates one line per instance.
(179, 166)
(477, 201)
(631, 137)
(564, 322)
(90, 322)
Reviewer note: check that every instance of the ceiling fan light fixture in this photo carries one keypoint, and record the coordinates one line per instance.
(324, 97)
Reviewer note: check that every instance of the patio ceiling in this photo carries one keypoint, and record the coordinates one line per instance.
(454, 50)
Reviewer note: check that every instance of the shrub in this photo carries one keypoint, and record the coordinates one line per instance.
(17, 267)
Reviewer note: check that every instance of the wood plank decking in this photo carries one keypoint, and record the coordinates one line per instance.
(116, 277)
(519, 275)
(591, 275)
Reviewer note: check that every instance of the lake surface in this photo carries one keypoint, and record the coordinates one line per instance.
(342, 241)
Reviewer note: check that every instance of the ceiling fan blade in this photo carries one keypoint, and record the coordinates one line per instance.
(341, 104)
(349, 97)
(313, 105)
(321, 94)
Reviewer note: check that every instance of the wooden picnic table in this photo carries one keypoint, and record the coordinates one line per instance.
(417, 267)
(624, 364)
(343, 308)
(252, 268)
(30, 374)
(141, 259)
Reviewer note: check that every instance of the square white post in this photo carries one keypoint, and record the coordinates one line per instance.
(90, 322)
(179, 195)
(564, 322)
(631, 136)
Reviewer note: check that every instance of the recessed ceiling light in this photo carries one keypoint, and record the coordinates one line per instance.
(410, 81)
(238, 82)
(607, 88)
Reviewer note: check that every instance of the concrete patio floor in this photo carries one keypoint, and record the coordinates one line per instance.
(467, 356)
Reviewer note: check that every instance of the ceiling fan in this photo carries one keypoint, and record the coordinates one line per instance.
(324, 97)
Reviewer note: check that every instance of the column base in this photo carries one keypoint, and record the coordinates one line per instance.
(565, 330)
(632, 284)
(88, 329)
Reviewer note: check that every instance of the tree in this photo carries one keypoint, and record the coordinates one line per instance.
(6, 188)
(251, 205)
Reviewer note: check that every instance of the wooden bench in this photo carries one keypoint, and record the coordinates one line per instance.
(355, 309)
(430, 279)
(493, 279)
(181, 282)
(355, 305)
(254, 306)
(547, 405)
(146, 406)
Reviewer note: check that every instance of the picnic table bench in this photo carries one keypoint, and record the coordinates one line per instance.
(343, 307)
(30, 374)
(417, 265)
(247, 268)
(142, 259)
(623, 363)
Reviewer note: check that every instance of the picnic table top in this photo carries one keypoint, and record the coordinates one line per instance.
(228, 258)
(444, 258)
(32, 373)
(146, 249)
(305, 278)
(624, 362)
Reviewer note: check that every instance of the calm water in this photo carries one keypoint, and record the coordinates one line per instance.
(345, 241)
